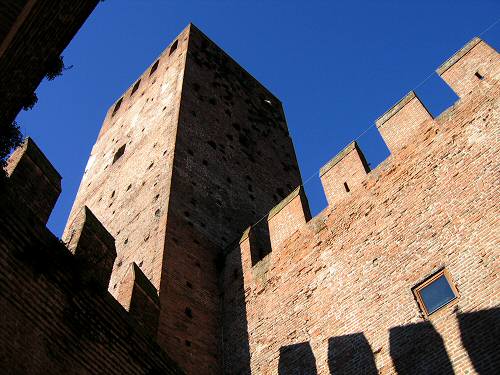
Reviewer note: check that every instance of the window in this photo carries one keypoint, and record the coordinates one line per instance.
(173, 48)
(346, 187)
(119, 153)
(154, 67)
(117, 106)
(136, 86)
(479, 76)
(435, 292)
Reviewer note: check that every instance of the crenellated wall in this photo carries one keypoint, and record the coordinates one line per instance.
(399, 124)
(57, 315)
(194, 152)
(333, 294)
(474, 65)
(343, 173)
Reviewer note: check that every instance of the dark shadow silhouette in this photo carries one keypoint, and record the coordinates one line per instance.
(418, 349)
(480, 332)
(235, 347)
(351, 354)
(297, 359)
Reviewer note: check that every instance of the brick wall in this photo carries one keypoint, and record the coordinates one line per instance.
(336, 295)
(207, 152)
(399, 124)
(474, 64)
(57, 315)
(343, 173)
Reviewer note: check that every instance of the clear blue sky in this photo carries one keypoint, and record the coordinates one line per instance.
(336, 66)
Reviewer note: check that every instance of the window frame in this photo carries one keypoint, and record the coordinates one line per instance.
(429, 280)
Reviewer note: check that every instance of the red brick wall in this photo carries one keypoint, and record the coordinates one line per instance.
(57, 318)
(459, 72)
(207, 153)
(398, 125)
(336, 296)
(343, 173)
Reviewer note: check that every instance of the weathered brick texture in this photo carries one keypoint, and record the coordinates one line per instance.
(39, 184)
(336, 295)
(343, 173)
(288, 216)
(55, 319)
(207, 153)
(473, 65)
(193, 181)
(399, 124)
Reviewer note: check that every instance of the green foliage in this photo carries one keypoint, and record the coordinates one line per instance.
(29, 101)
(54, 67)
(11, 138)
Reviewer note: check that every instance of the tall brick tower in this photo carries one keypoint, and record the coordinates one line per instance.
(192, 154)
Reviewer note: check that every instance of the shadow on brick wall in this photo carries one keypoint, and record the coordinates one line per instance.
(297, 359)
(351, 354)
(480, 332)
(418, 349)
(415, 349)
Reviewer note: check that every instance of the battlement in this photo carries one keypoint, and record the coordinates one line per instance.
(336, 292)
(92, 245)
(398, 125)
(347, 172)
(155, 225)
(458, 55)
(474, 65)
(343, 173)
(75, 274)
(34, 180)
(140, 298)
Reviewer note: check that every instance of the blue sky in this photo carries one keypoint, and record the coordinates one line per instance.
(335, 65)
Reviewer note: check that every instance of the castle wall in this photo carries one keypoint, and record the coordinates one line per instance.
(130, 195)
(57, 315)
(234, 160)
(336, 295)
(207, 152)
(399, 124)
(473, 65)
(344, 172)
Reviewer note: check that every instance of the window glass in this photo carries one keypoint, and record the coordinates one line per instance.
(437, 294)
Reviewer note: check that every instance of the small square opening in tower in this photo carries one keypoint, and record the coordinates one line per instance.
(119, 153)
(173, 47)
(479, 76)
(154, 67)
(117, 106)
(136, 86)
(435, 292)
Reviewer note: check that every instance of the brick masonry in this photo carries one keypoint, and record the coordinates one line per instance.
(207, 152)
(336, 295)
(57, 316)
(193, 187)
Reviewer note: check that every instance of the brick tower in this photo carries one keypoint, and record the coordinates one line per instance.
(194, 152)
